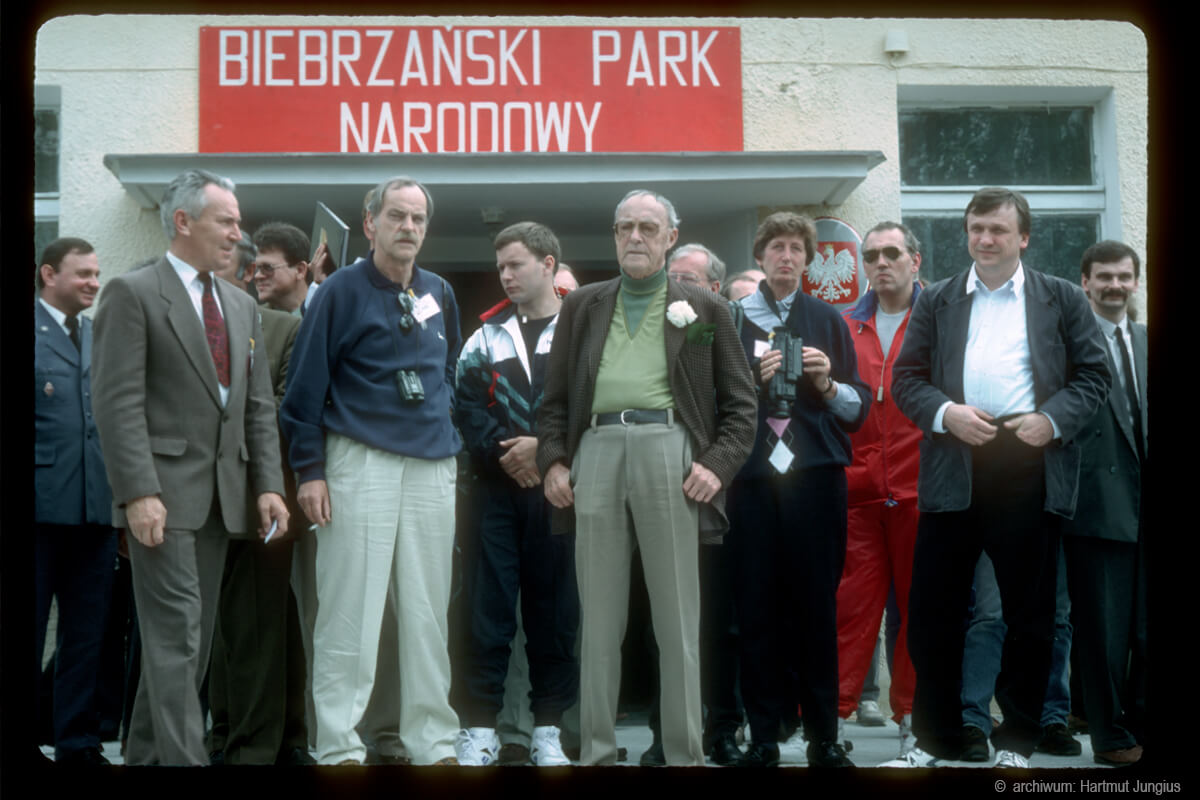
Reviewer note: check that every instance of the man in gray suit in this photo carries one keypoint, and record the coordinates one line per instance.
(187, 418)
(648, 414)
(1000, 369)
(1104, 546)
(75, 547)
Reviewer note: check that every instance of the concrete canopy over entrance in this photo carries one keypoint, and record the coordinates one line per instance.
(717, 195)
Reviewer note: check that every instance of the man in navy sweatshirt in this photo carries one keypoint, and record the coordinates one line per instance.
(368, 417)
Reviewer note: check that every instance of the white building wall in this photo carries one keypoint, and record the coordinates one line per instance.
(130, 85)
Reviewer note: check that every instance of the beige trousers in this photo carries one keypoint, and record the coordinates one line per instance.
(392, 531)
(628, 483)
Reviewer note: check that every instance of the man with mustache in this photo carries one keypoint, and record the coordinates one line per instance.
(1104, 545)
(367, 414)
(1001, 367)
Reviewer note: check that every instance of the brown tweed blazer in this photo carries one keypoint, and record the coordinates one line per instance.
(712, 385)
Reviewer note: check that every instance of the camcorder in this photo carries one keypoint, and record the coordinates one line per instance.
(781, 391)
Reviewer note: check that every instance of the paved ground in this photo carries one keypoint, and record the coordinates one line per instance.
(872, 747)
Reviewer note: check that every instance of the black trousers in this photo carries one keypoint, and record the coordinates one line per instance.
(76, 564)
(516, 553)
(788, 534)
(1107, 581)
(1006, 521)
(257, 675)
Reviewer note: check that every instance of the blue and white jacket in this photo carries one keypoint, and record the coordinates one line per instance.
(498, 391)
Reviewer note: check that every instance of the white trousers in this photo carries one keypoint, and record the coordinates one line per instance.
(392, 530)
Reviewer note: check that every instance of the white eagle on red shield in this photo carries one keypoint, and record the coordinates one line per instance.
(832, 274)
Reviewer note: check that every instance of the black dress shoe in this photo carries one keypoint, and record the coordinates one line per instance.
(654, 756)
(216, 758)
(1057, 741)
(294, 757)
(827, 754)
(87, 757)
(725, 750)
(975, 745)
(760, 754)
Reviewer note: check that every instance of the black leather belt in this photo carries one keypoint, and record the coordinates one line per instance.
(634, 416)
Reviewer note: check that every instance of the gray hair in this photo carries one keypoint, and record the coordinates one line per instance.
(375, 197)
(911, 244)
(672, 218)
(714, 268)
(186, 192)
(246, 253)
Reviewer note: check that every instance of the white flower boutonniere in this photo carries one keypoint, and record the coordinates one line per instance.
(681, 314)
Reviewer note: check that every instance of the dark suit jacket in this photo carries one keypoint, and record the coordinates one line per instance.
(701, 375)
(158, 405)
(1070, 380)
(69, 484)
(1110, 478)
(279, 333)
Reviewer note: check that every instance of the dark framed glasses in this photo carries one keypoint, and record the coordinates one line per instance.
(872, 255)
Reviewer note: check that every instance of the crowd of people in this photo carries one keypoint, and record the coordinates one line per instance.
(276, 448)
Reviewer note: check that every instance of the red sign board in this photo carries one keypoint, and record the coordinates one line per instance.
(835, 274)
(487, 89)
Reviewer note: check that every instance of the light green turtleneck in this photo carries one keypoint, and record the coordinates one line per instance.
(633, 366)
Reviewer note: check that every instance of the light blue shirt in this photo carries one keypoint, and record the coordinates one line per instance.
(1109, 329)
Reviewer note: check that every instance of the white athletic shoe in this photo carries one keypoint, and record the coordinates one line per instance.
(916, 757)
(1007, 758)
(477, 747)
(908, 739)
(870, 715)
(545, 750)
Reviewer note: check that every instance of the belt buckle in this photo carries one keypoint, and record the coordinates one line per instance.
(622, 417)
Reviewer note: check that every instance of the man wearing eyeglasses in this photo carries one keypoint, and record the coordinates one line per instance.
(281, 274)
(647, 415)
(881, 483)
(368, 416)
(697, 265)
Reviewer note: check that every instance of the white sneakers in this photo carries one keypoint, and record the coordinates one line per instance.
(908, 740)
(545, 749)
(869, 714)
(477, 747)
(1007, 758)
(915, 757)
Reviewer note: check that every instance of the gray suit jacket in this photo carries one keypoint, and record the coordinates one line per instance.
(701, 375)
(158, 405)
(70, 487)
(1110, 478)
(1070, 381)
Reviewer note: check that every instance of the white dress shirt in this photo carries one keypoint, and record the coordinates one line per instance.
(195, 289)
(997, 368)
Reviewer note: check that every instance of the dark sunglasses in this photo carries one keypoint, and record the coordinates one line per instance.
(872, 255)
(406, 305)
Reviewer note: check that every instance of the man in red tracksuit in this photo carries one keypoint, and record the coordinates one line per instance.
(882, 481)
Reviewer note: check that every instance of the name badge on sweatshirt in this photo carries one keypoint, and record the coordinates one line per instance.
(424, 308)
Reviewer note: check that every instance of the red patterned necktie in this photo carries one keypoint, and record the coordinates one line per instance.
(214, 329)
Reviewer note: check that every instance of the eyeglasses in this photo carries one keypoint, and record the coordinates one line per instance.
(872, 255)
(267, 270)
(624, 229)
(406, 305)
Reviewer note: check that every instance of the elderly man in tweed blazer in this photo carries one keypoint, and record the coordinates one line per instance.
(649, 411)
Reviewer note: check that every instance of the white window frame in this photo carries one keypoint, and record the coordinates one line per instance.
(1101, 197)
(46, 204)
